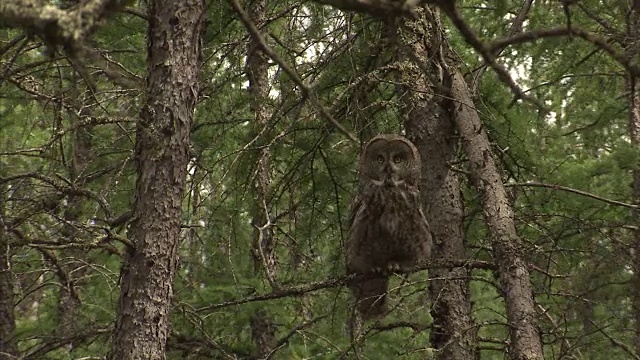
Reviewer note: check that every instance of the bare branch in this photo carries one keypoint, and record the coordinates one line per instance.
(66, 188)
(516, 27)
(297, 290)
(602, 43)
(616, 342)
(575, 191)
(486, 53)
(62, 27)
(374, 7)
(307, 90)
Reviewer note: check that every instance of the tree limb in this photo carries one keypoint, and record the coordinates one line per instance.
(575, 191)
(62, 27)
(516, 27)
(374, 7)
(307, 90)
(297, 290)
(487, 53)
(602, 43)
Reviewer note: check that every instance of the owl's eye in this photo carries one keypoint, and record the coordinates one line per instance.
(398, 159)
(380, 159)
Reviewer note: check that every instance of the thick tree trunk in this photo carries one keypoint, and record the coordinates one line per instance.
(162, 154)
(428, 125)
(525, 342)
(263, 251)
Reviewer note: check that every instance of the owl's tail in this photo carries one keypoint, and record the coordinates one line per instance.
(371, 296)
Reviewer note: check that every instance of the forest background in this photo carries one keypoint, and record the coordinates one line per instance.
(176, 177)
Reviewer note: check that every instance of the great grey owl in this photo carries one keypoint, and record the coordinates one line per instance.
(388, 229)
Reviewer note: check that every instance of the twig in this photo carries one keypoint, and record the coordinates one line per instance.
(265, 233)
(416, 327)
(68, 188)
(383, 8)
(575, 191)
(285, 339)
(449, 8)
(516, 26)
(602, 43)
(297, 290)
(616, 342)
(307, 91)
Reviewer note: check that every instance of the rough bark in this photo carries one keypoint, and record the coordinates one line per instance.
(263, 333)
(162, 154)
(525, 342)
(8, 346)
(428, 125)
(263, 251)
(257, 72)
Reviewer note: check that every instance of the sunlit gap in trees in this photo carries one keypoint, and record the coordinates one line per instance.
(309, 49)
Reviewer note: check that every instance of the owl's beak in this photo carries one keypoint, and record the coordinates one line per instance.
(388, 176)
(392, 180)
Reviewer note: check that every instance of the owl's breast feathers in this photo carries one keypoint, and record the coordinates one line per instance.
(393, 200)
(388, 223)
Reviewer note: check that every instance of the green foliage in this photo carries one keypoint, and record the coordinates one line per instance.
(63, 240)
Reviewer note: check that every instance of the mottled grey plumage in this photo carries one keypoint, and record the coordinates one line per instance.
(387, 226)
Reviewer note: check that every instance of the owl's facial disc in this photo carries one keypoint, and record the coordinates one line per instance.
(377, 182)
(376, 170)
(396, 164)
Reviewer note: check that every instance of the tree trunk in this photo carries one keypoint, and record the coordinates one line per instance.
(162, 154)
(257, 72)
(263, 251)
(633, 93)
(8, 346)
(69, 302)
(525, 342)
(428, 124)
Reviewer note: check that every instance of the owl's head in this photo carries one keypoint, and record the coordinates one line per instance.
(390, 160)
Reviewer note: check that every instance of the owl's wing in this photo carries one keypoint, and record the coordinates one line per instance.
(370, 295)
(355, 259)
(356, 206)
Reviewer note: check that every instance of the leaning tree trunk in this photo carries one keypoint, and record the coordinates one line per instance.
(263, 251)
(162, 154)
(428, 124)
(525, 342)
